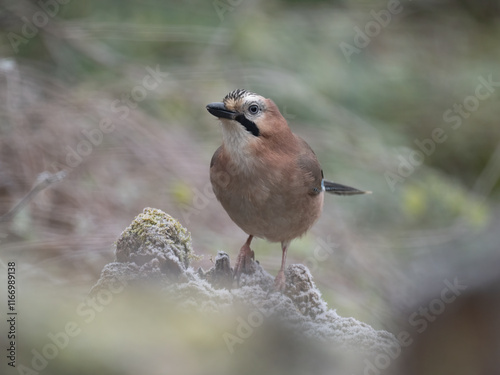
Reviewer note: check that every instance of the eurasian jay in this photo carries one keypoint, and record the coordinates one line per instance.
(267, 179)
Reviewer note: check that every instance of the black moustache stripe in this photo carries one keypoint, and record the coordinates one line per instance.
(249, 125)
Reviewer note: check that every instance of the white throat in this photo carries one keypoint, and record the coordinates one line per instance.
(238, 144)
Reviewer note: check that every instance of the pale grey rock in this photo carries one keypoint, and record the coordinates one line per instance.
(156, 249)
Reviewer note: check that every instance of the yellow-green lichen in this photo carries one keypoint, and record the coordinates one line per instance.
(154, 230)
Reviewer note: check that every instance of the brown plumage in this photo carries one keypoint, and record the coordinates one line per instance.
(268, 179)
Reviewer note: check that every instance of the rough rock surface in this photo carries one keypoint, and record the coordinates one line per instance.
(156, 248)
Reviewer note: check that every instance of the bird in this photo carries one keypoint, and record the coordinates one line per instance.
(267, 179)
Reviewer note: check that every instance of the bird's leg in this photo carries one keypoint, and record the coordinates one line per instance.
(279, 281)
(244, 260)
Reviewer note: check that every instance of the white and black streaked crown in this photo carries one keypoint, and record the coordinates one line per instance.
(237, 95)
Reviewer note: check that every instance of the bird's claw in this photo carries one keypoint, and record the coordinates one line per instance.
(280, 282)
(244, 262)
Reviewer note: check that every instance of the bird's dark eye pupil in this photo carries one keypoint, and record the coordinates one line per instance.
(253, 109)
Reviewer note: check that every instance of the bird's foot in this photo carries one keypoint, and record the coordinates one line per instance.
(244, 262)
(280, 282)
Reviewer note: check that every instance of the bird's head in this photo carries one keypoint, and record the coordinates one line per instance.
(248, 117)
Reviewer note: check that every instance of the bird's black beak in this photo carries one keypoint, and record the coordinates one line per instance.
(219, 110)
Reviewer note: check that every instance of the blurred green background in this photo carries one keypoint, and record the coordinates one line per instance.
(364, 82)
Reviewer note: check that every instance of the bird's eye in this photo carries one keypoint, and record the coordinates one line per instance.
(253, 109)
